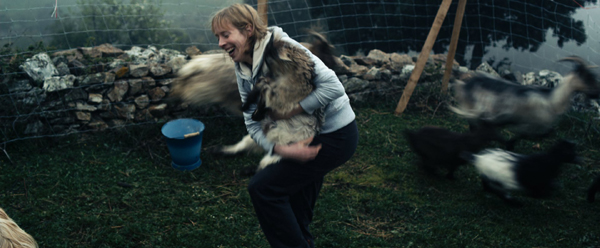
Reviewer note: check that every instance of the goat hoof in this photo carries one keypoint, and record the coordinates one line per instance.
(217, 151)
(214, 149)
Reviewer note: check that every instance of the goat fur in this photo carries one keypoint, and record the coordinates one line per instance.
(210, 79)
(528, 111)
(439, 147)
(12, 236)
(502, 171)
(288, 81)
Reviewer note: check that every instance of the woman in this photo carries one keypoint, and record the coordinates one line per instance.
(284, 194)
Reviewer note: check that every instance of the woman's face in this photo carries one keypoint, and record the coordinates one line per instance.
(234, 42)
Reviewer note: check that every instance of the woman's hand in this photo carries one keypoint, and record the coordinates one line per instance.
(300, 151)
(278, 116)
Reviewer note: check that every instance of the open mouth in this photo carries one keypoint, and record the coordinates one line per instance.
(230, 51)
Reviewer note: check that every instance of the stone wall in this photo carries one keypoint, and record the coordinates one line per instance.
(99, 87)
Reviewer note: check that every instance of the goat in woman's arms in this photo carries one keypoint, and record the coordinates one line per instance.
(287, 82)
(210, 79)
(528, 111)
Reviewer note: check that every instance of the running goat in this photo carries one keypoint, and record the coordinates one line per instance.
(439, 147)
(528, 111)
(503, 171)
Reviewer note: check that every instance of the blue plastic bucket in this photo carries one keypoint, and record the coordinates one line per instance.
(184, 140)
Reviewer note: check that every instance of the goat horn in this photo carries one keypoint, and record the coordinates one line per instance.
(575, 59)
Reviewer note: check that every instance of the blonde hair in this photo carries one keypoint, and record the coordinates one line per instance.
(240, 16)
(12, 236)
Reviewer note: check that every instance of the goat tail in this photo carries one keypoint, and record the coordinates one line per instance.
(208, 79)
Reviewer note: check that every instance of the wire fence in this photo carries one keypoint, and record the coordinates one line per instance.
(527, 35)
(492, 29)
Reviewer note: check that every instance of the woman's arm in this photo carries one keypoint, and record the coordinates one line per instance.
(327, 87)
(300, 151)
(254, 128)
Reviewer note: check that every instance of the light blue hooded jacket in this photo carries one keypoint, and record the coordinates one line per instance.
(329, 91)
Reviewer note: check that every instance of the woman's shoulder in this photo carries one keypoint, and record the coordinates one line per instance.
(280, 35)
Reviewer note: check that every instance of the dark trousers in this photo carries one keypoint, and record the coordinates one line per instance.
(284, 194)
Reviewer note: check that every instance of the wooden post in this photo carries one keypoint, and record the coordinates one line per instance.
(460, 12)
(423, 56)
(262, 8)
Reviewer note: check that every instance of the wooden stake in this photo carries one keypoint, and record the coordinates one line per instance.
(423, 56)
(460, 12)
(262, 8)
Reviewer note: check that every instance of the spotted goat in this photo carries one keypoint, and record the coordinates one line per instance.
(528, 111)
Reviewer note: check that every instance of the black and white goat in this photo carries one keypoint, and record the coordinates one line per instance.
(593, 189)
(439, 147)
(210, 79)
(503, 171)
(288, 81)
(528, 111)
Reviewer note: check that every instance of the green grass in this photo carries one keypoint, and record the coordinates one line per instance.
(74, 192)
